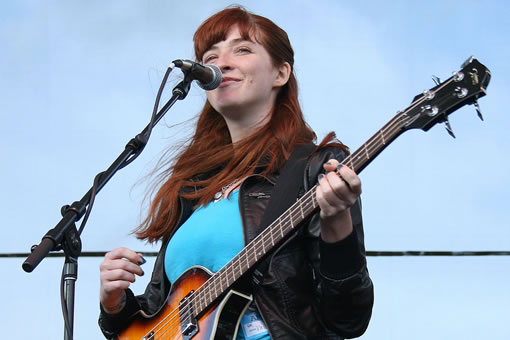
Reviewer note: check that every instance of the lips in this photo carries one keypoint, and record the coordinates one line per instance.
(228, 81)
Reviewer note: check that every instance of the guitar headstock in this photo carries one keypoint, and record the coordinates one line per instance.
(434, 105)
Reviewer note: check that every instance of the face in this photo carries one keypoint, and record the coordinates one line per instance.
(250, 81)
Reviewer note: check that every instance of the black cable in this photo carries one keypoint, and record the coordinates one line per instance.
(63, 305)
(141, 140)
(369, 253)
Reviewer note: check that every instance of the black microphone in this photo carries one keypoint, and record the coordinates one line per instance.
(208, 76)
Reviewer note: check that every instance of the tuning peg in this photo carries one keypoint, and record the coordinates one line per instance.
(448, 127)
(477, 107)
(436, 79)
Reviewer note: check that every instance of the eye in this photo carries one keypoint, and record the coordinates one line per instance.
(208, 58)
(243, 49)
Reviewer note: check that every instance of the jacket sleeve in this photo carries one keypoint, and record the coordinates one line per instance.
(344, 289)
(152, 300)
(146, 304)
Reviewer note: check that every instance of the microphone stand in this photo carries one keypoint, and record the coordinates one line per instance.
(64, 236)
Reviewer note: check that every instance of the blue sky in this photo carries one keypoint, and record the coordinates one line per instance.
(78, 80)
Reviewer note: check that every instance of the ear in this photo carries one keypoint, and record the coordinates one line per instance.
(282, 75)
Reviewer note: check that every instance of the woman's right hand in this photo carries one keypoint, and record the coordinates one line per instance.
(117, 272)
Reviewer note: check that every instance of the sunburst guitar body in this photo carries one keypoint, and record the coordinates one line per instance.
(183, 318)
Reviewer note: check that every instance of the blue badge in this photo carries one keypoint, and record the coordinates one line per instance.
(253, 326)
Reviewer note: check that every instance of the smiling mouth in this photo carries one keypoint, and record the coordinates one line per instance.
(228, 80)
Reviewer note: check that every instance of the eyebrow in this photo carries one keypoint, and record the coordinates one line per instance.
(230, 43)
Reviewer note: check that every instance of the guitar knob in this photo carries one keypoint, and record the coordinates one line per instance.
(461, 92)
(458, 76)
(429, 94)
(478, 111)
(448, 127)
(429, 110)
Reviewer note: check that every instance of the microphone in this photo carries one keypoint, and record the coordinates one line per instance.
(208, 76)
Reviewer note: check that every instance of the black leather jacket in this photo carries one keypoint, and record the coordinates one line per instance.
(306, 289)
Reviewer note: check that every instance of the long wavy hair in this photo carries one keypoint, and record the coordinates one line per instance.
(210, 150)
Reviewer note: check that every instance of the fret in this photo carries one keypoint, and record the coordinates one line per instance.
(221, 283)
(240, 265)
(215, 291)
(366, 151)
(272, 237)
(295, 218)
(199, 298)
(252, 255)
(382, 136)
(231, 270)
(195, 300)
(197, 306)
(247, 260)
(202, 296)
(301, 208)
(255, 253)
(226, 277)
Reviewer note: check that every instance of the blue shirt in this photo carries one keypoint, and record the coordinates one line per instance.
(210, 238)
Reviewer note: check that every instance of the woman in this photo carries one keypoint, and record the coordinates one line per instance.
(314, 286)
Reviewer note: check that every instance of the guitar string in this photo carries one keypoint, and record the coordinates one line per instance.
(393, 126)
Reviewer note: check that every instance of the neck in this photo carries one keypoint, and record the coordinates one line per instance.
(243, 124)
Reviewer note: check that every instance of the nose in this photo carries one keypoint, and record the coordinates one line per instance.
(224, 62)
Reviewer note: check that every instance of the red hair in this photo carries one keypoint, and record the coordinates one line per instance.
(210, 149)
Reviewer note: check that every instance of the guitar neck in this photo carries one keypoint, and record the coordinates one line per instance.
(367, 152)
(426, 110)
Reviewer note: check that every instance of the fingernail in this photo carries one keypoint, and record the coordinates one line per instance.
(321, 176)
(328, 163)
(143, 273)
(339, 166)
(142, 260)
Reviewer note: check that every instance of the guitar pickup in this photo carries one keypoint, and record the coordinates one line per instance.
(189, 325)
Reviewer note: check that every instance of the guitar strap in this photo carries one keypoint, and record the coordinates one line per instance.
(287, 186)
(283, 195)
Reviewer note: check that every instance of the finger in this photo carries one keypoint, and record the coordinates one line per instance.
(114, 286)
(122, 264)
(125, 253)
(331, 165)
(350, 178)
(339, 186)
(117, 275)
(328, 197)
(328, 208)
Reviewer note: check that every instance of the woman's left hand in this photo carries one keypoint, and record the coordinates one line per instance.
(335, 195)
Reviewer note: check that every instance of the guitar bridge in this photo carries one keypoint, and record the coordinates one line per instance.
(189, 325)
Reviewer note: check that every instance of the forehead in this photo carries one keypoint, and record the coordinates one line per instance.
(206, 37)
(233, 37)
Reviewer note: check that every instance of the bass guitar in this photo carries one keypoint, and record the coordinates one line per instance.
(203, 305)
